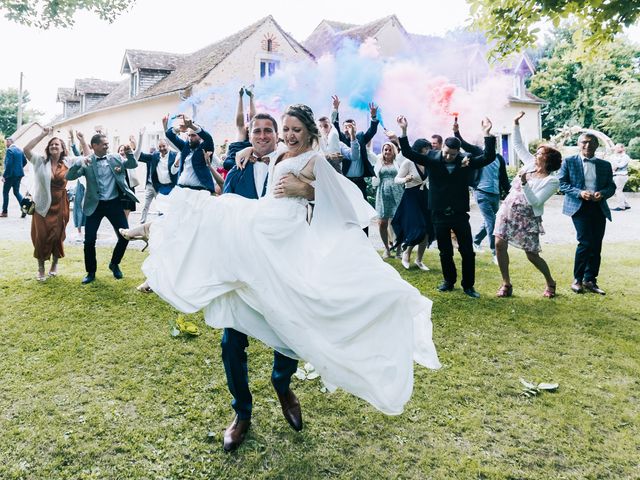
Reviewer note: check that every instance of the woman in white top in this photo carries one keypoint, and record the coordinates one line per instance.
(519, 219)
(49, 221)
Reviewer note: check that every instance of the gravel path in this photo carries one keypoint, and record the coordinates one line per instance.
(559, 228)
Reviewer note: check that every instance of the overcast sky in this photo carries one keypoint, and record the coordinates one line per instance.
(94, 49)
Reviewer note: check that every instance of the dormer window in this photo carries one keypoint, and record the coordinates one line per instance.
(518, 86)
(134, 84)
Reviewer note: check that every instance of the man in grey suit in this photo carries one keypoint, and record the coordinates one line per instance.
(105, 178)
(587, 182)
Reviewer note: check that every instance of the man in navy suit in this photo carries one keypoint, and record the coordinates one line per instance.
(250, 180)
(587, 182)
(160, 178)
(193, 169)
(14, 162)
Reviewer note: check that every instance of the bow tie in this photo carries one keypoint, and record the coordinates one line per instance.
(264, 160)
(588, 160)
(99, 159)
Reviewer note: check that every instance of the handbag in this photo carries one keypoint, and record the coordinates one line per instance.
(27, 205)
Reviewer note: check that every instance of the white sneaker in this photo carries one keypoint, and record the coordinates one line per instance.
(421, 266)
(385, 255)
(494, 259)
(405, 261)
(477, 248)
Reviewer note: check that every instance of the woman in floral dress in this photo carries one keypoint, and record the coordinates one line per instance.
(519, 219)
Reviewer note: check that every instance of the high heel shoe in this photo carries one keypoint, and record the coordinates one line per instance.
(550, 291)
(505, 291)
(141, 232)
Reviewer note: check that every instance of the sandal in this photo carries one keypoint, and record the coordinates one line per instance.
(505, 291)
(550, 291)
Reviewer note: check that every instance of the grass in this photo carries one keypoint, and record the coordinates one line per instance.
(92, 386)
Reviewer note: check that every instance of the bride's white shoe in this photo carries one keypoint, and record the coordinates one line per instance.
(141, 232)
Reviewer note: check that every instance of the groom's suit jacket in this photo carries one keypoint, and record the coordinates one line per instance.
(90, 172)
(241, 182)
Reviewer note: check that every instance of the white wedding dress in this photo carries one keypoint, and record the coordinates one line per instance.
(318, 292)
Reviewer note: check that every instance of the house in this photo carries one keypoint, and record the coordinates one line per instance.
(461, 57)
(158, 83)
(204, 84)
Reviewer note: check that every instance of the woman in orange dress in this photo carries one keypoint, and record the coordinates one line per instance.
(51, 214)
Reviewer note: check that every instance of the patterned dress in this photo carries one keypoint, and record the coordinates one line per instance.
(389, 193)
(516, 222)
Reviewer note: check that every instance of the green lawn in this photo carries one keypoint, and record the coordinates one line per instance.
(92, 385)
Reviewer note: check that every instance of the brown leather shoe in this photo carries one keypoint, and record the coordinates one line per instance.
(577, 287)
(235, 433)
(593, 287)
(290, 409)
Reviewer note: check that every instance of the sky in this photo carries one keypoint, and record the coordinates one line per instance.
(94, 48)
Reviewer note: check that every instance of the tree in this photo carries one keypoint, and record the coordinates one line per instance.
(584, 89)
(9, 111)
(512, 23)
(59, 13)
(619, 112)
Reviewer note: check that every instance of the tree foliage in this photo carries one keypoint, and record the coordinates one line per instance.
(9, 111)
(60, 13)
(511, 24)
(591, 91)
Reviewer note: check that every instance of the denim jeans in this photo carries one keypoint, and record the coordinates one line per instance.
(488, 203)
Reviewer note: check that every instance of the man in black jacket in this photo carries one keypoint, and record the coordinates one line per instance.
(490, 184)
(449, 177)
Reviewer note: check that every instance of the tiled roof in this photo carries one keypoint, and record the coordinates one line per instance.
(143, 59)
(328, 35)
(66, 94)
(118, 96)
(188, 69)
(94, 85)
(196, 66)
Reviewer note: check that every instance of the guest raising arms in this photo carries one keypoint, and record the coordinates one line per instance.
(519, 219)
(51, 215)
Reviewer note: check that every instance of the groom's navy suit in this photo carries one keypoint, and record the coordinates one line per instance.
(234, 343)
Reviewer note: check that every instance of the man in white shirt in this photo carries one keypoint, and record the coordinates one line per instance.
(160, 178)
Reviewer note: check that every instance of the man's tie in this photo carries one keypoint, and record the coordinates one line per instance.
(264, 160)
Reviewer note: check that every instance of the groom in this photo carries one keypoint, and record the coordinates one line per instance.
(250, 181)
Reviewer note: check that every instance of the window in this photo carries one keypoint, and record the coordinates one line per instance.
(269, 45)
(268, 68)
(133, 87)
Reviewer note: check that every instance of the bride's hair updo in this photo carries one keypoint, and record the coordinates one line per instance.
(305, 115)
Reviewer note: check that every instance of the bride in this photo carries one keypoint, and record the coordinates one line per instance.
(316, 291)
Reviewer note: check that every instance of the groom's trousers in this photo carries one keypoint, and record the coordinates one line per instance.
(234, 358)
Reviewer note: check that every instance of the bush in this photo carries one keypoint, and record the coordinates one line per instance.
(633, 150)
(633, 185)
